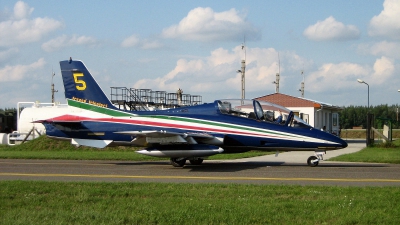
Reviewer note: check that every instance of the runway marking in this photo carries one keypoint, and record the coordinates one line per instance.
(200, 178)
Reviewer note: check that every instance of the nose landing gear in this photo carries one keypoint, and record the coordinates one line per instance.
(314, 159)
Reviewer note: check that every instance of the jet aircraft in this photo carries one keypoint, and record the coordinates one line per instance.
(185, 133)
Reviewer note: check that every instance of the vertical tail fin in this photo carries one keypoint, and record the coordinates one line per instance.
(80, 85)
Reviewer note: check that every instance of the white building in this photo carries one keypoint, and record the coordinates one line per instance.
(315, 113)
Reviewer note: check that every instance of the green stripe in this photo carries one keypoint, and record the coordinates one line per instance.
(116, 113)
(217, 124)
(102, 110)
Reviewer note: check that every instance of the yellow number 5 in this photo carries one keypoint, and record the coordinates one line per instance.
(81, 84)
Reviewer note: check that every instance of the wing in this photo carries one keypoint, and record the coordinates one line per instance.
(144, 138)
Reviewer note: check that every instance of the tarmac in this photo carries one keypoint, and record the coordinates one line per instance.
(354, 145)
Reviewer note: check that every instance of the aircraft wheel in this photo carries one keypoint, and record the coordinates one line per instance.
(311, 158)
(196, 161)
(178, 162)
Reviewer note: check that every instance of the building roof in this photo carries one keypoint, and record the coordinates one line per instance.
(291, 101)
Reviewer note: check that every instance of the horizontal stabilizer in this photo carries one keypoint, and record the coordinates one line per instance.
(64, 119)
(90, 142)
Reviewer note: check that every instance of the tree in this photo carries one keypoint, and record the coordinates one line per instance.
(355, 116)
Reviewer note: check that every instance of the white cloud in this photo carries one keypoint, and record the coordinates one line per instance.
(331, 30)
(383, 48)
(19, 72)
(135, 41)
(383, 70)
(130, 41)
(336, 76)
(7, 54)
(216, 75)
(343, 76)
(19, 29)
(387, 23)
(151, 44)
(172, 80)
(22, 10)
(203, 24)
(66, 41)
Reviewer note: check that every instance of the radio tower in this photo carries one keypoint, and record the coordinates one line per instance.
(243, 70)
(52, 88)
(278, 75)
(302, 85)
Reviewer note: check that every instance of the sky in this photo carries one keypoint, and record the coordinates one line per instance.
(198, 46)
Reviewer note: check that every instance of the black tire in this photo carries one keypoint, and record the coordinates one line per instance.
(196, 161)
(311, 158)
(177, 162)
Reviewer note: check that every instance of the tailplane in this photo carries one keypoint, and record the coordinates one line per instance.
(80, 85)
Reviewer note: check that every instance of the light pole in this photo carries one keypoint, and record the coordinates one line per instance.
(361, 81)
(369, 134)
(397, 110)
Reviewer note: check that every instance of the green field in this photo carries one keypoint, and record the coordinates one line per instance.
(39, 202)
(380, 153)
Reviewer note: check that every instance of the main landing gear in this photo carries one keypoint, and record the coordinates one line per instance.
(180, 162)
(314, 159)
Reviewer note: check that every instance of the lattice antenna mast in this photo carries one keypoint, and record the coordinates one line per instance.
(276, 82)
(302, 85)
(52, 88)
(243, 70)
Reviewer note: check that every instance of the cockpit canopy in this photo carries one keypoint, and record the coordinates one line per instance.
(260, 110)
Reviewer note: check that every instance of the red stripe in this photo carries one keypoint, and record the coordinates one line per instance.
(71, 118)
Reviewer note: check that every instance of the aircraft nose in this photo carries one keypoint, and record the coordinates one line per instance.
(340, 142)
(343, 143)
(336, 142)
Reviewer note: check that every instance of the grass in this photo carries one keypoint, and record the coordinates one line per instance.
(379, 153)
(40, 202)
(46, 148)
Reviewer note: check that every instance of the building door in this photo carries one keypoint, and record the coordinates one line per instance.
(335, 123)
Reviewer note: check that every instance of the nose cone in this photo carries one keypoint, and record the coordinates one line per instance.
(332, 141)
(342, 143)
